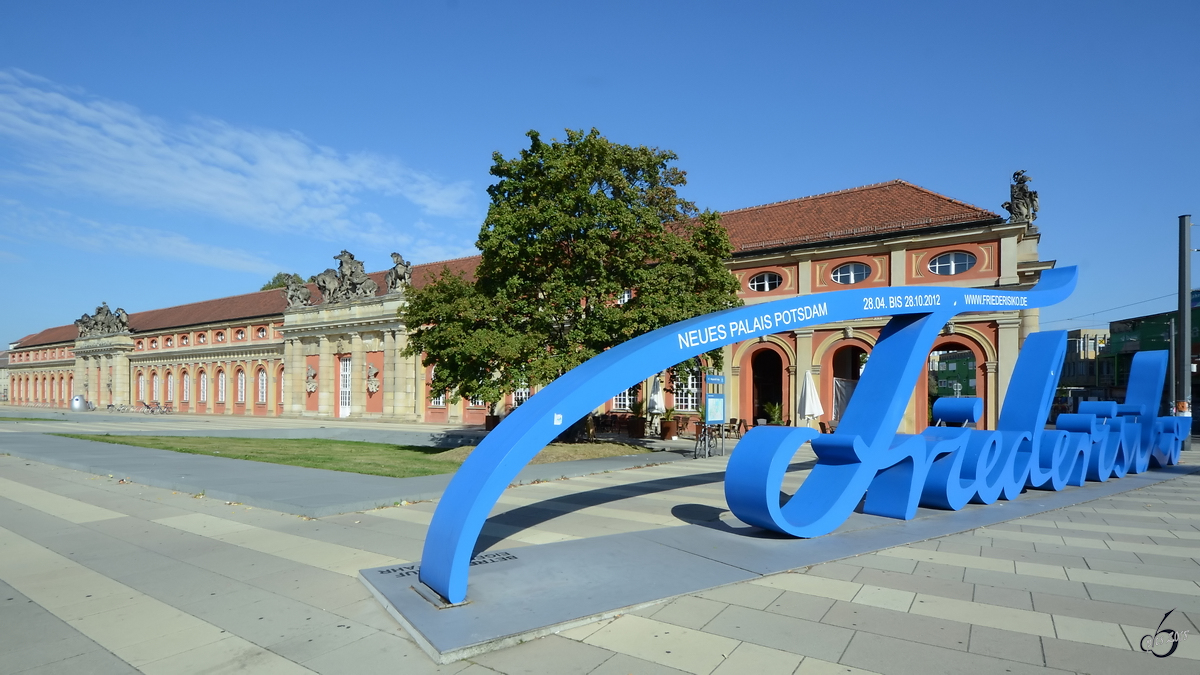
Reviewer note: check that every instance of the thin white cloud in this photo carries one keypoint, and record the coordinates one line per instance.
(272, 180)
(67, 229)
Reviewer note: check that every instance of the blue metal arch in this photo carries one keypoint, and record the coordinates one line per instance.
(920, 313)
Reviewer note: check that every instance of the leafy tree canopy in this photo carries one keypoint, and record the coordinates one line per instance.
(280, 280)
(586, 244)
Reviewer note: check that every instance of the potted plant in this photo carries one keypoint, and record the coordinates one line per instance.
(669, 425)
(774, 413)
(491, 420)
(637, 423)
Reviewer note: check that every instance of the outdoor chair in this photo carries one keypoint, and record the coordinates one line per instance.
(733, 428)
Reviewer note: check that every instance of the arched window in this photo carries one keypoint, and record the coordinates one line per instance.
(241, 386)
(765, 281)
(154, 388)
(851, 273)
(170, 387)
(202, 389)
(186, 381)
(262, 385)
(954, 262)
(141, 387)
(220, 386)
(280, 387)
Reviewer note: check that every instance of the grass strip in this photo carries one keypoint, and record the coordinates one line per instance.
(377, 459)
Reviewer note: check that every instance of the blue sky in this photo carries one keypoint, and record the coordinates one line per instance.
(153, 154)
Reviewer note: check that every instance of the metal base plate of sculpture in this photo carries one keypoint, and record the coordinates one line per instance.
(942, 468)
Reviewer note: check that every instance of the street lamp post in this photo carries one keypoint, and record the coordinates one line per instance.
(1183, 358)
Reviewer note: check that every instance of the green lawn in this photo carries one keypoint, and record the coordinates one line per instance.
(379, 459)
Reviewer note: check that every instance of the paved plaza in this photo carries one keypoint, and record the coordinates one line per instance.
(99, 575)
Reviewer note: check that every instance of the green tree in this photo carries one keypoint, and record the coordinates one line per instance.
(280, 280)
(586, 244)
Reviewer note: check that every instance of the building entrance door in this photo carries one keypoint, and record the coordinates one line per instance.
(344, 389)
(768, 384)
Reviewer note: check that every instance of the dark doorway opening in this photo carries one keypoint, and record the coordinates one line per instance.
(848, 363)
(768, 381)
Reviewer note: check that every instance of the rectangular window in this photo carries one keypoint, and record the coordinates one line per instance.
(687, 392)
(952, 366)
(438, 401)
(477, 403)
(520, 395)
(972, 383)
(623, 400)
(345, 387)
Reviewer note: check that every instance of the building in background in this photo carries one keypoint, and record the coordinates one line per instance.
(333, 348)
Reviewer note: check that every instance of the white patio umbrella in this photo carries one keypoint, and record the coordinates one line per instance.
(810, 401)
(657, 404)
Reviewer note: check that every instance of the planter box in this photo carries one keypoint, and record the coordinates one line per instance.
(637, 427)
(669, 429)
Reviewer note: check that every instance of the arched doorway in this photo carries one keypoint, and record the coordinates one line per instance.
(767, 367)
(954, 370)
(848, 363)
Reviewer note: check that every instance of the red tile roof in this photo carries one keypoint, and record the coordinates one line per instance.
(872, 209)
(424, 274)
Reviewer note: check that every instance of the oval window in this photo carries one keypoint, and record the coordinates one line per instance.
(201, 338)
(220, 337)
(183, 340)
(851, 273)
(262, 332)
(168, 342)
(954, 262)
(154, 344)
(240, 335)
(766, 281)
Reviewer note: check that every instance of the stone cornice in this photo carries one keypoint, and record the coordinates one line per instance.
(225, 353)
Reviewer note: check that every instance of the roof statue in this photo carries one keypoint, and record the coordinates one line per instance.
(348, 282)
(400, 275)
(296, 294)
(103, 322)
(1023, 202)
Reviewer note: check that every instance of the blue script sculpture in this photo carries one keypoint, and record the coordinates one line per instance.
(944, 467)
